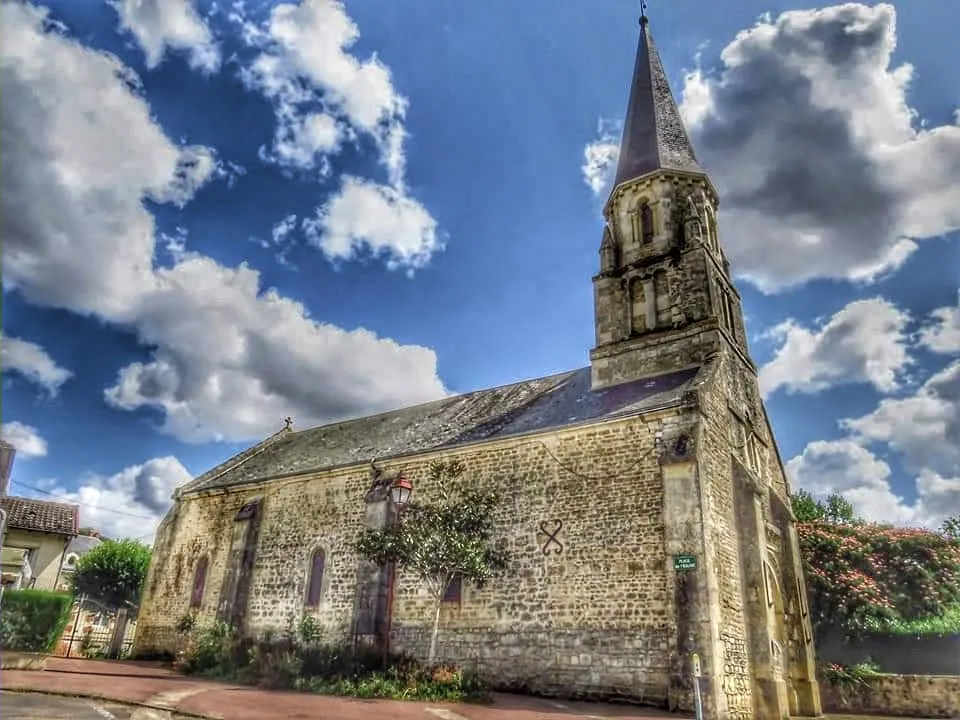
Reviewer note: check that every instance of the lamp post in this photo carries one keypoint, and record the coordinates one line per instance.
(400, 491)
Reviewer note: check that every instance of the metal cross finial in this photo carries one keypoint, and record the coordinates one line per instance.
(643, 11)
(287, 423)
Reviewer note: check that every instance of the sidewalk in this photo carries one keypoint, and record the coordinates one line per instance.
(155, 686)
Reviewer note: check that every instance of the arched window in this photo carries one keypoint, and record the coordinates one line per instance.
(315, 578)
(646, 223)
(199, 583)
(661, 291)
(638, 306)
(454, 590)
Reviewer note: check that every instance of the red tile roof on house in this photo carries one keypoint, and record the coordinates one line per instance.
(41, 515)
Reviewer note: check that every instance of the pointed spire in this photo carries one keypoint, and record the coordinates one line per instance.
(654, 136)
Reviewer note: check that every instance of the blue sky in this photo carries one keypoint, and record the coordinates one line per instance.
(224, 214)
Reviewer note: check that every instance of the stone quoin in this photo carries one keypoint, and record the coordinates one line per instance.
(644, 501)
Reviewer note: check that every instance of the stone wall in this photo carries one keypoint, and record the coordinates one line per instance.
(928, 696)
(762, 657)
(586, 608)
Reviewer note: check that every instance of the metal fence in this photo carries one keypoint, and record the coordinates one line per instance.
(90, 630)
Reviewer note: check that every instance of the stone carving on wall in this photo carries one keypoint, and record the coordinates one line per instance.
(677, 450)
(736, 677)
(688, 227)
(552, 543)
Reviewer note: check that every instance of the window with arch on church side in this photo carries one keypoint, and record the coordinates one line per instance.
(638, 306)
(454, 590)
(646, 223)
(315, 578)
(199, 583)
(661, 293)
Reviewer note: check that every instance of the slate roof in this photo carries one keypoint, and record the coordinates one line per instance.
(529, 406)
(82, 544)
(40, 515)
(654, 136)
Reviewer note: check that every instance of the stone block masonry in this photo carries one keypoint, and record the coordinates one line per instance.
(928, 696)
(596, 603)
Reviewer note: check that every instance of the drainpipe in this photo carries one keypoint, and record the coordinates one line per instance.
(63, 556)
(3, 535)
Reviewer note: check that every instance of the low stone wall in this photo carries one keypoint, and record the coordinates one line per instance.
(927, 696)
(154, 640)
(13, 660)
(578, 664)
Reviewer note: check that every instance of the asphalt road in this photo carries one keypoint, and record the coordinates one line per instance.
(34, 706)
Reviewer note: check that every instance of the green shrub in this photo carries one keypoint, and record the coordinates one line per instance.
(33, 620)
(845, 677)
(947, 623)
(300, 659)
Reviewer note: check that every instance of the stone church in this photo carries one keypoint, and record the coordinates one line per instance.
(644, 501)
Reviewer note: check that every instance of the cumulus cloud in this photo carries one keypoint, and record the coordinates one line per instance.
(229, 358)
(231, 361)
(32, 362)
(600, 157)
(26, 439)
(942, 334)
(924, 427)
(303, 142)
(88, 154)
(808, 133)
(866, 341)
(824, 172)
(160, 24)
(305, 62)
(848, 469)
(129, 504)
(366, 216)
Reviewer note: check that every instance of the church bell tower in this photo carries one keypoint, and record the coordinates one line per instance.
(664, 300)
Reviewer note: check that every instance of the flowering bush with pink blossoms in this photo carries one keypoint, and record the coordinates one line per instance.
(868, 578)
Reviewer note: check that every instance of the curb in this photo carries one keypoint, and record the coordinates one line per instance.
(107, 698)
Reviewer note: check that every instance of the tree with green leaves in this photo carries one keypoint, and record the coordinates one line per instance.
(112, 573)
(951, 527)
(835, 509)
(452, 537)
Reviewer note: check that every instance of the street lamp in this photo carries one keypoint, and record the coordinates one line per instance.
(400, 491)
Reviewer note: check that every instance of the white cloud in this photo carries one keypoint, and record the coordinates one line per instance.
(160, 24)
(129, 504)
(846, 468)
(311, 40)
(305, 62)
(942, 334)
(24, 438)
(808, 133)
(304, 141)
(866, 341)
(230, 359)
(33, 362)
(806, 130)
(378, 219)
(600, 158)
(88, 155)
(924, 427)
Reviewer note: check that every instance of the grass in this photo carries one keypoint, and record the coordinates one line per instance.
(947, 623)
